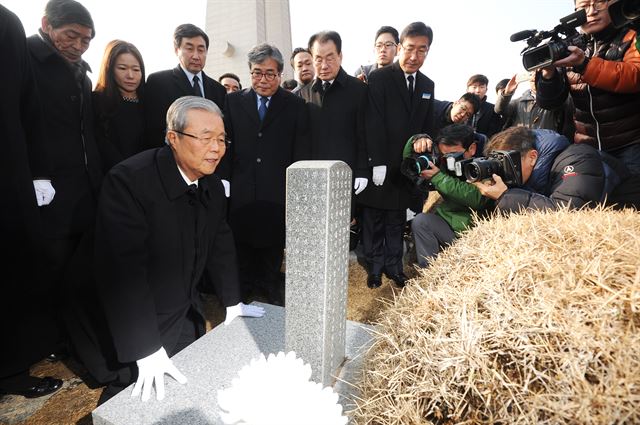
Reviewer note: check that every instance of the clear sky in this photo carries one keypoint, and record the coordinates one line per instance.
(470, 36)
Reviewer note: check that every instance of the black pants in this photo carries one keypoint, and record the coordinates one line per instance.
(382, 239)
(259, 269)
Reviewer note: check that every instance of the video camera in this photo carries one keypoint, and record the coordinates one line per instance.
(623, 12)
(535, 56)
(506, 164)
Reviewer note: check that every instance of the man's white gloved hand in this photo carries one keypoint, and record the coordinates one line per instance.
(151, 370)
(379, 173)
(227, 188)
(243, 310)
(44, 192)
(360, 184)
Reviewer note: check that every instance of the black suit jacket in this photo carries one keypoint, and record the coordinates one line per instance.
(161, 89)
(337, 121)
(257, 159)
(392, 117)
(154, 241)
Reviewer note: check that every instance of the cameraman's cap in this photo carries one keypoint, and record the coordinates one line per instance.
(65, 12)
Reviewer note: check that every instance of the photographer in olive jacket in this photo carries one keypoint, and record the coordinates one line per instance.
(578, 174)
(432, 231)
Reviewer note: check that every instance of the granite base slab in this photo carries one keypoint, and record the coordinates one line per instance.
(211, 363)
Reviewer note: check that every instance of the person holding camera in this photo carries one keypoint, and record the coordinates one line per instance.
(554, 172)
(603, 81)
(432, 231)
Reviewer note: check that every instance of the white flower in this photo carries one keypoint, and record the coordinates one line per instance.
(277, 391)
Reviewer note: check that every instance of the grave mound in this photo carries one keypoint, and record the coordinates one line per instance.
(527, 319)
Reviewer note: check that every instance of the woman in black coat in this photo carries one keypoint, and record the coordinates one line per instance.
(117, 103)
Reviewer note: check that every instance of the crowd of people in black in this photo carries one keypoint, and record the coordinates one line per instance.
(123, 203)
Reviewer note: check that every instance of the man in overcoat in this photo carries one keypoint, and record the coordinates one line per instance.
(267, 127)
(161, 226)
(400, 105)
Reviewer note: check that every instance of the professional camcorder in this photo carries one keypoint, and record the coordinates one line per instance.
(506, 164)
(623, 12)
(536, 56)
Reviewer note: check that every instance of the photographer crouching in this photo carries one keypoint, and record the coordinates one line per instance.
(433, 231)
(604, 83)
(553, 172)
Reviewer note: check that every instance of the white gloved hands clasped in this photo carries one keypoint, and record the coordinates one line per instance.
(151, 370)
(360, 184)
(243, 310)
(44, 192)
(379, 173)
(227, 188)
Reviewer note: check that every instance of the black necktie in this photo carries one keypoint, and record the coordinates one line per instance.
(325, 87)
(410, 80)
(196, 86)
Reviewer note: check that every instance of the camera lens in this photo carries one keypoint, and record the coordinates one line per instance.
(481, 169)
(422, 163)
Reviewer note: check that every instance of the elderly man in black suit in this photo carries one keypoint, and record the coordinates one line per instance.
(337, 104)
(191, 45)
(267, 127)
(161, 226)
(400, 105)
(24, 329)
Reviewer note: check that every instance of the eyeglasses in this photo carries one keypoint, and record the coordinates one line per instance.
(257, 75)
(420, 52)
(387, 45)
(596, 5)
(205, 141)
(330, 59)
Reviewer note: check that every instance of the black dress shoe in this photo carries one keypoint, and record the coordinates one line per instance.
(399, 279)
(374, 281)
(56, 357)
(44, 386)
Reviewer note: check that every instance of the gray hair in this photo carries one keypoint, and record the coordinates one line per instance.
(65, 12)
(177, 113)
(260, 53)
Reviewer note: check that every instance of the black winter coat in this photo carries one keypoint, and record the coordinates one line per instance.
(337, 121)
(577, 177)
(154, 242)
(76, 170)
(392, 117)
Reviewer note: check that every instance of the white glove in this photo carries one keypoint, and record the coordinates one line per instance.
(379, 173)
(44, 192)
(151, 370)
(360, 184)
(227, 188)
(243, 310)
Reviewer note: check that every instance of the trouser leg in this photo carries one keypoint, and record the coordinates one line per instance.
(430, 233)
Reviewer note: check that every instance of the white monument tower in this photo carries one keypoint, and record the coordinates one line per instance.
(235, 26)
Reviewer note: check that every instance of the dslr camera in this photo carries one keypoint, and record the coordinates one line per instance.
(506, 164)
(451, 163)
(536, 56)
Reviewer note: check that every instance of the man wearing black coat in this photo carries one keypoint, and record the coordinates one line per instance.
(337, 103)
(400, 105)
(68, 194)
(161, 226)
(267, 127)
(191, 45)
(579, 175)
(26, 337)
(485, 120)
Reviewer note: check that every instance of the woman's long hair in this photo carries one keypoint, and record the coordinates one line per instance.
(106, 84)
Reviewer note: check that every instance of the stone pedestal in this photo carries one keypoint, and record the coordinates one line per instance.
(211, 363)
(317, 254)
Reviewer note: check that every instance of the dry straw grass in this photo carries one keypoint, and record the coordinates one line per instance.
(531, 319)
